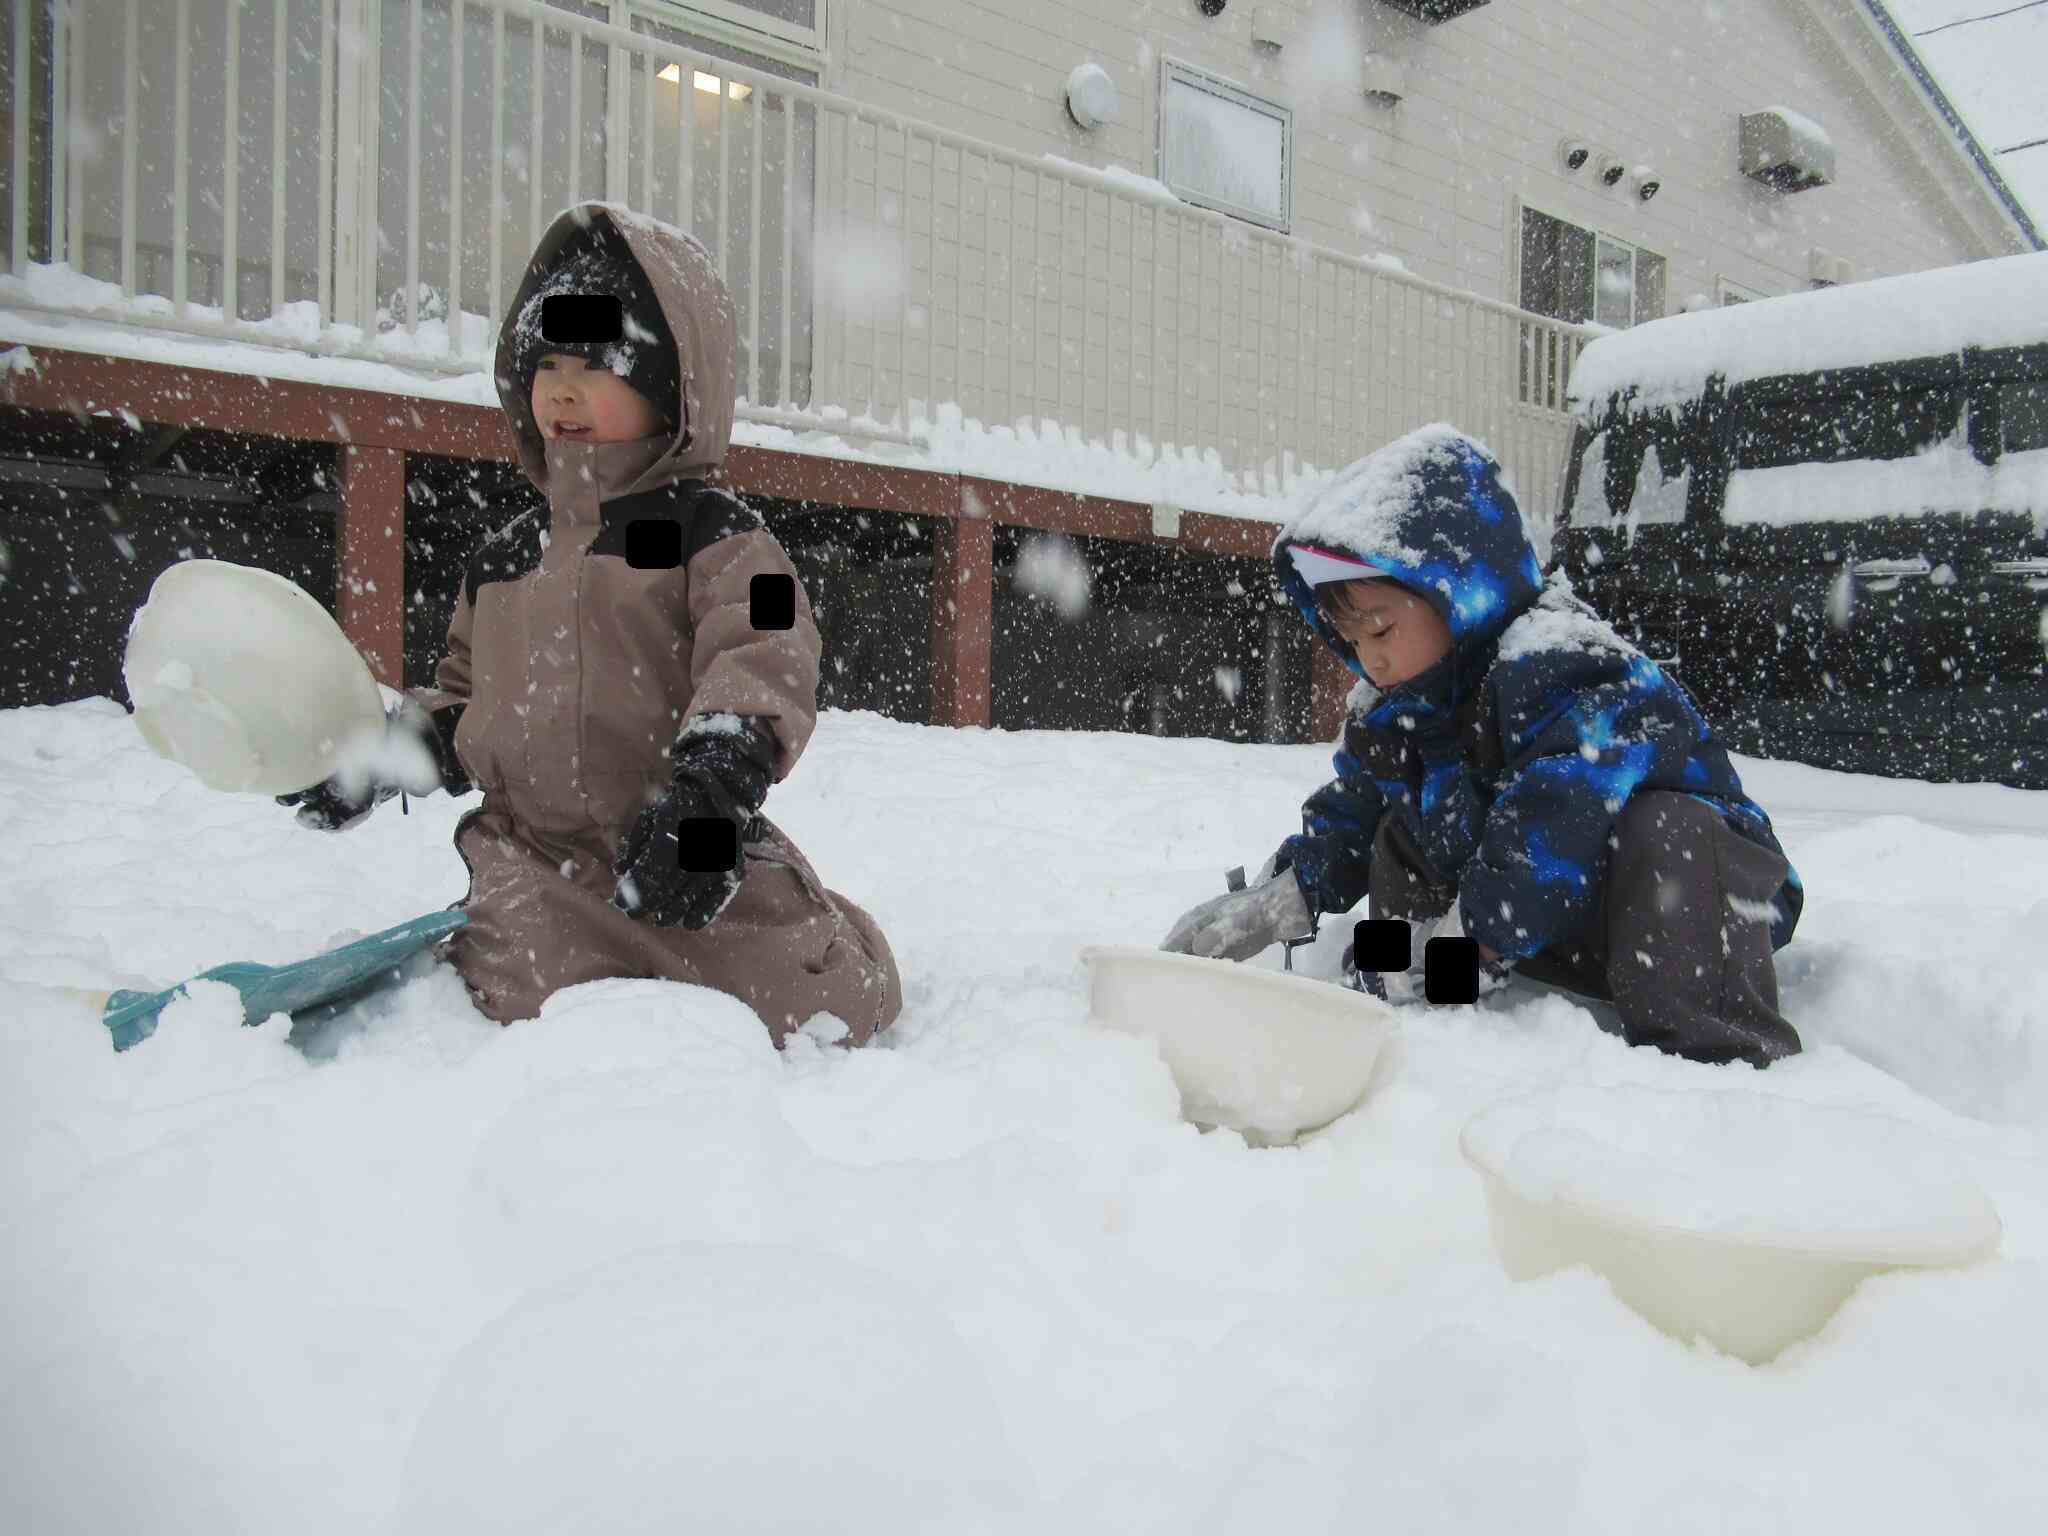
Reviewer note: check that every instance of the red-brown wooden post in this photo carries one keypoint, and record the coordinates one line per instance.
(369, 557)
(1331, 685)
(963, 623)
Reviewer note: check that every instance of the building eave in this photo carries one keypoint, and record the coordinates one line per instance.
(1875, 16)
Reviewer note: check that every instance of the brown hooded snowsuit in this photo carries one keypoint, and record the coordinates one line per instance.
(569, 673)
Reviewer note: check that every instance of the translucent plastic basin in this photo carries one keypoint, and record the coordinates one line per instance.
(1736, 1217)
(242, 677)
(1264, 1053)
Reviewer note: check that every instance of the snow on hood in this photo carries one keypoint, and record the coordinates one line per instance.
(1434, 511)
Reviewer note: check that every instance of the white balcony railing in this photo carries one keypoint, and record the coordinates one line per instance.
(364, 178)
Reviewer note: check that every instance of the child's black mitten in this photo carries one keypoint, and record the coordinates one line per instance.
(416, 755)
(682, 861)
(327, 807)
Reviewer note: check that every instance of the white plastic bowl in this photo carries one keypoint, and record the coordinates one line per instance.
(1267, 1054)
(1736, 1217)
(242, 677)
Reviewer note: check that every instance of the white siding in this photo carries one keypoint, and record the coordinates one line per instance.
(1436, 180)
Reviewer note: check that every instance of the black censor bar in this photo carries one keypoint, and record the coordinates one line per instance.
(1450, 967)
(707, 845)
(580, 319)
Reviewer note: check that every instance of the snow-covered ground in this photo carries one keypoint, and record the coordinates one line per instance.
(623, 1268)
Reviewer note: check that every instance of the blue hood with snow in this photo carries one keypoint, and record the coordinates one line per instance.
(1431, 511)
(1509, 761)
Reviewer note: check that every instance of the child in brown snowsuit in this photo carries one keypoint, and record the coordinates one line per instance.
(606, 685)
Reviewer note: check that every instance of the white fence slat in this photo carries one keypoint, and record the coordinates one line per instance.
(231, 163)
(575, 124)
(756, 102)
(181, 153)
(783, 397)
(412, 169)
(18, 256)
(686, 151)
(724, 183)
(536, 160)
(497, 217)
(456, 22)
(931, 308)
(74, 180)
(323, 291)
(280, 24)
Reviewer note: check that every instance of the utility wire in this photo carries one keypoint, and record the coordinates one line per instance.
(1992, 16)
(2030, 144)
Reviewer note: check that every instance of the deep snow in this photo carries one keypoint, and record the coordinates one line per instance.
(623, 1268)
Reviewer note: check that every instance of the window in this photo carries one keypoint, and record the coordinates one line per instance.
(1855, 422)
(1635, 472)
(2022, 417)
(1221, 148)
(720, 148)
(801, 22)
(1735, 293)
(1577, 275)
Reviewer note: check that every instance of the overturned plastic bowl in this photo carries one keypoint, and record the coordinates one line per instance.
(242, 677)
(1266, 1054)
(1735, 1217)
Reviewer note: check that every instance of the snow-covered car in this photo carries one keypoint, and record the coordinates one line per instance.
(1827, 514)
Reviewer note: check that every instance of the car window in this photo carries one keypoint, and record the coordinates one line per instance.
(1870, 423)
(1589, 508)
(1635, 470)
(2022, 417)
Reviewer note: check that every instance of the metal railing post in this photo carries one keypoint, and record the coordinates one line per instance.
(356, 106)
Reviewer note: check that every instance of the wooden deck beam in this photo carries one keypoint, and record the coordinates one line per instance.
(376, 430)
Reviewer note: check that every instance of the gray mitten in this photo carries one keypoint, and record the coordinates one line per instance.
(1239, 924)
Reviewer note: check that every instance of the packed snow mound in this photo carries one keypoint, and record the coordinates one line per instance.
(713, 1387)
(254, 1290)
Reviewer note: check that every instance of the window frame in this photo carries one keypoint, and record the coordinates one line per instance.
(1598, 237)
(1172, 70)
(737, 26)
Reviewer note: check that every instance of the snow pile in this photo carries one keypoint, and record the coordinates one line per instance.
(1999, 303)
(622, 1264)
(1032, 450)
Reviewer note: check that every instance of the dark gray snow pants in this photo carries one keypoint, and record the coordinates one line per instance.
(1675, 941)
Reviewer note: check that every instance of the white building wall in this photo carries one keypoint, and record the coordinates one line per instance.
(1436, 181)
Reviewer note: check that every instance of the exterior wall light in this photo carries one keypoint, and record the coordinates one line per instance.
(1091, 96)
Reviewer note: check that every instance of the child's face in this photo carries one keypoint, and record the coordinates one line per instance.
(1396, 634)
(579, 403)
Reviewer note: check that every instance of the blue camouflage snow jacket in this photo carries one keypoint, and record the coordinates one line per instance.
(1509, 761)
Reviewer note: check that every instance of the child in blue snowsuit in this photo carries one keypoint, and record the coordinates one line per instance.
(1513, 770)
